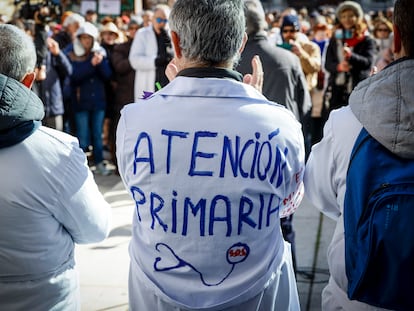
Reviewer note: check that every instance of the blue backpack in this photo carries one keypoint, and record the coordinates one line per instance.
(379, 226)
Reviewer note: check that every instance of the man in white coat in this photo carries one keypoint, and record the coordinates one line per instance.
(212, 165)
(48, 201)
(384, 105)
(150, 53)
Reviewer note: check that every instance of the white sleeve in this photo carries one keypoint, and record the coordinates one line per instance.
(319, 175)
(82, 209)
(295, 167)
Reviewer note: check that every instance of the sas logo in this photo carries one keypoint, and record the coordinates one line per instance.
(237, 253)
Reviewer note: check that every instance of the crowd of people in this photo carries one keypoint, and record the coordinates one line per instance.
(89, 108)
(237, 114)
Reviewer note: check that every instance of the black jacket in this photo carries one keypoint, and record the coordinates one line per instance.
(284, 80)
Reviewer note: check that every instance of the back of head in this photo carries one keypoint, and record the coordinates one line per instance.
(404, 20)
(210, 31)
(255, 16)
(17, 50)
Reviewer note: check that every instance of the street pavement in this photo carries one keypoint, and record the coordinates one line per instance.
(103, 267)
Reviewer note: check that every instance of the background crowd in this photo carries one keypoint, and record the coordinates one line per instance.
(89, 67)
(84, 83)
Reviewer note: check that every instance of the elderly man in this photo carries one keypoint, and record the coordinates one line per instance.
(49, 200)
(150, 53)
(211, 165)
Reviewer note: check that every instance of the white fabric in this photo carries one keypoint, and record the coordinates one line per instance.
(49, 201)
(280, 294)
(142, 56)
(170, 151)
(325, 186)
(383, 104)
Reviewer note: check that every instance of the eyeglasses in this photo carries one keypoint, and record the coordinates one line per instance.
(383, 29)
(288, 30)
(160, 20)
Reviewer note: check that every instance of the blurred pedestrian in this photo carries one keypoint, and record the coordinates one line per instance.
(109, 35)
(50, 89)
(150, 53)
(124, 76)
(91, 70)
(383, 38)
(309, 55)
(350, 54)
(70, 25)
(49, 199)
(321, 36)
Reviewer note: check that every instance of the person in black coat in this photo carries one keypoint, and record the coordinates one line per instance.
(50, 89)
(350, 54)
(124, 76)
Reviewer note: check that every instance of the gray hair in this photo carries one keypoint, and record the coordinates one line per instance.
(210, 31)
(162, 7)
(18, 53)
(255, 16)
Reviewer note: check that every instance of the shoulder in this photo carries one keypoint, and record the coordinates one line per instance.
(309, 45)
(144, 31)
(58, 138)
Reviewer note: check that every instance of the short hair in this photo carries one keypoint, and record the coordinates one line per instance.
(18, 53)
(255, 17)
(210, 31)
(162, 7)
(404, 20)
(74, 18)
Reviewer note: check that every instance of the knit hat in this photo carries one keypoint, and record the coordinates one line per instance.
(291, 20)
(350, 5)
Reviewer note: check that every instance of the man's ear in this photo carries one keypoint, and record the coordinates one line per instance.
(243, 43)
(397, 40)
(28, 79)
(176, 44)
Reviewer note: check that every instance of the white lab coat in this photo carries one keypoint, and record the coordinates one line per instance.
(142, 56)
(49, 202)
(206, 232)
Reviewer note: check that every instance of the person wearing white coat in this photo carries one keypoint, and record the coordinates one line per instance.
(49, 200)
(150, 53)
(211, 165)
(384, 105)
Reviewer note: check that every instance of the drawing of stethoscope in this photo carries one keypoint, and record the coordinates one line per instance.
(237, 253)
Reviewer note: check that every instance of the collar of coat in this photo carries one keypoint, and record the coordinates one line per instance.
(211, 72)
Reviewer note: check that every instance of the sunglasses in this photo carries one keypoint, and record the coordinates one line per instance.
(288, 30)
(160, 20)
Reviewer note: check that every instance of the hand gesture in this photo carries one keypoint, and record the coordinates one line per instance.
(96, 59)
(255, 79)
(53, 46)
